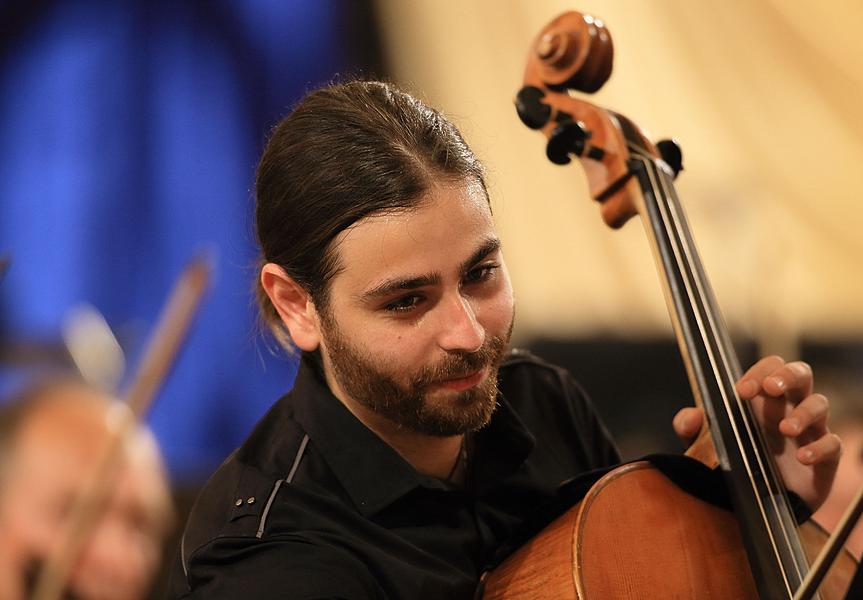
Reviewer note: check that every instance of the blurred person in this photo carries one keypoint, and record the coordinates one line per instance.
(849, 477)
(52, 438)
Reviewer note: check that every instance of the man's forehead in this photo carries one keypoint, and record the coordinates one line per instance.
(445, 195)
(443, 231)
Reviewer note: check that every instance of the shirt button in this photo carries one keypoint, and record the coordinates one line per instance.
(250, 500)
(239, 502)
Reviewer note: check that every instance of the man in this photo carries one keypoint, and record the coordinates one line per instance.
(51, 440)
(414, 451)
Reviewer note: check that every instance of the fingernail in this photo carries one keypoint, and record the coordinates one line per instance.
(780, 383)
(808, 456)
(793, 425)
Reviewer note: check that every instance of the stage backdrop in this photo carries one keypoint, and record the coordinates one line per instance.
(764, 98)
(129, 133)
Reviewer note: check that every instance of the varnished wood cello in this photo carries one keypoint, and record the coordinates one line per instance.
(637, 534)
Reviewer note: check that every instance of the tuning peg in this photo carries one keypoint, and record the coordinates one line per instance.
(565, 139)
(531, 111)
(671, 154)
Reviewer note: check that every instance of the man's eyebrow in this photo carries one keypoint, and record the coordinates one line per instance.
(389, 286)
(487, 247)
(385, 288)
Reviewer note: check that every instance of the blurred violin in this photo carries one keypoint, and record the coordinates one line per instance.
(162, 350)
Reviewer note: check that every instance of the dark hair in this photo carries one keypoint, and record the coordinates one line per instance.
(346, 152)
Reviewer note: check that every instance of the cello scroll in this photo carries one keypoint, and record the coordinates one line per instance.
(575, 52)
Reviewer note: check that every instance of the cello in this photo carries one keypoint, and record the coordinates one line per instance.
(637, 533)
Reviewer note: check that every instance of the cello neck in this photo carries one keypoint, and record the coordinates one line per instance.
(756, 490)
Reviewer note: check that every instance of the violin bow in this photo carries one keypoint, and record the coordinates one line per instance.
(161, 352)
(831, 549)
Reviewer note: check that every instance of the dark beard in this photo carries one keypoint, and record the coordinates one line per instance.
(369, 384)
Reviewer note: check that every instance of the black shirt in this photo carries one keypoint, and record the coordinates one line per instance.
(315, 505)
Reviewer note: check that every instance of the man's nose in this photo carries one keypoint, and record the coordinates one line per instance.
(460, 330)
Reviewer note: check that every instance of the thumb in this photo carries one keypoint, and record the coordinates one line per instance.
(687, 423)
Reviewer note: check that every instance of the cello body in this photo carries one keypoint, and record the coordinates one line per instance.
(635, 535)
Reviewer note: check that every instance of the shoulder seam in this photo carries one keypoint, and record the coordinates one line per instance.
(186, 559)
(297, 458)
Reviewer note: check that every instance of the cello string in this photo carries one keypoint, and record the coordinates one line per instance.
(706, 335)
(778, 495)
(649, 164)
(713, 347)
(766, 465)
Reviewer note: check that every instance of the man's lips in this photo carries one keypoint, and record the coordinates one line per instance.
(462, 383)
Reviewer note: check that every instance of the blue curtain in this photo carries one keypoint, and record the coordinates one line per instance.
(129, 132)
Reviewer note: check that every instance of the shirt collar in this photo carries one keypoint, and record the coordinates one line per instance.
(500, 448)
(373, 473)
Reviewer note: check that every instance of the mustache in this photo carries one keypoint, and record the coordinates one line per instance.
(462, 364)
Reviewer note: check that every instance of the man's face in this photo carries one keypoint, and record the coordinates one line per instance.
(419, 317)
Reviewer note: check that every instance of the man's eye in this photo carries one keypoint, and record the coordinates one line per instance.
(404, 304)
(480, 273)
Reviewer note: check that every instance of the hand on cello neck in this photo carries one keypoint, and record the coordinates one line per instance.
(794, 420)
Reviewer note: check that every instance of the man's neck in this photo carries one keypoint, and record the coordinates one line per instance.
(430, 455)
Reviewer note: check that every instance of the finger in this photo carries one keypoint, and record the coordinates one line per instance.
(827, 448)
(793, 380)
(750, 384)
(812, 411)
(687, 422)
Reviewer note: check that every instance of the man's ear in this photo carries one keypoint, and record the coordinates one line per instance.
(294, 306)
